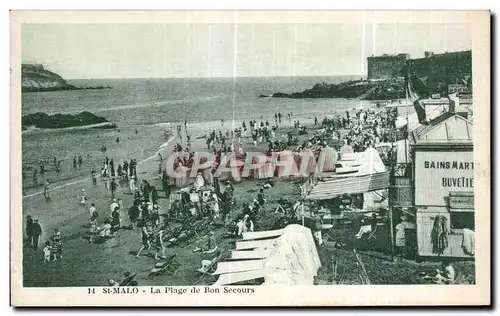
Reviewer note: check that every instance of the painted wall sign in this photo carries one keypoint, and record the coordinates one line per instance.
(463, 200)
(439, 173)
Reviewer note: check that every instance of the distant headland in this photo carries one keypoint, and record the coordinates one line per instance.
(35, 78)
(386, 77)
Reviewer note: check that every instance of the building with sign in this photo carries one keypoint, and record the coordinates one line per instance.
(443, 183)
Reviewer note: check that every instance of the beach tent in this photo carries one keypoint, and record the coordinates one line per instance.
(306, 161)
(267, 169)
(290, 169)
(286, 257)
(182, 176)
(371, 162)
(327, 159)
(346, 149)
(235, 167)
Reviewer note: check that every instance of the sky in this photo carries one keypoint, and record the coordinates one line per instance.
(91, 51)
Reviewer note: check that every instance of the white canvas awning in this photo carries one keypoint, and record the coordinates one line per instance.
(293, 259)
(349, 185)
(250, 254)
(251, 244)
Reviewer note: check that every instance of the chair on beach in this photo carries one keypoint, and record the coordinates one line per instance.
(170, 266)
(373, 233)
(210, 266)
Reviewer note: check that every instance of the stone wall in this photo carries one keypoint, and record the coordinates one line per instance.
(386, 66)
(447, 68)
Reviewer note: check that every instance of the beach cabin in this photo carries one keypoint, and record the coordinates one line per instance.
(360, 182)
(443, 181)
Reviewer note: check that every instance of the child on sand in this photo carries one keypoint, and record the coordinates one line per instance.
(83, 197)
(46, 252)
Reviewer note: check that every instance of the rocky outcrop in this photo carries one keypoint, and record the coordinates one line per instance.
(35, 78)
(43, 120)
(363, 89)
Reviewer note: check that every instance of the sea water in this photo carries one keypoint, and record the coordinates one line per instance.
(153, 105)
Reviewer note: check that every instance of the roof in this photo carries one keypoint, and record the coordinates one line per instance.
(448, 127)
(360, 172)
(349, 185)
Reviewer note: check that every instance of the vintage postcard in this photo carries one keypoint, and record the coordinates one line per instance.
(242, 158)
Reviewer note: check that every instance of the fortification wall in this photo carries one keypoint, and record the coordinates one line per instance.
(445, 68)
(385, 67)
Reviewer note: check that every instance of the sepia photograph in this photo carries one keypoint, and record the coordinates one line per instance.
(233, 156)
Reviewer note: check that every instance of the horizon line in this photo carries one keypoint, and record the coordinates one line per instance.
(217, 77)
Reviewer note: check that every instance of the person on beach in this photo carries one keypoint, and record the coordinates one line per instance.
(29, 230)
(80, 161)
(105, 230)
(164, 183)
(154, 195)
(106, 181)
(57, 242)
(93, 227)
(125, 167)
(115, 221)
(131, 184)
(37, 232)
(244, 128)
(133, 214)
(112, 167)
(114, 204)
(317, 227)
(400, 241)
(42, 168)
(47, 250)
(46, 189)
(113, 187)
(35, 177)
(254, 138)
(146, 240)
(74, 162)
(160, 163)
(159, 245)
(83, 197)
(92, 210)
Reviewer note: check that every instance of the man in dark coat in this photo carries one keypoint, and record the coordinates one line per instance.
(37, 232)
(29, 230)
(166, 186)
(133, 214)
(154, 195)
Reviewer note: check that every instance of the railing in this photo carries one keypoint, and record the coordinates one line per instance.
(308, 185)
